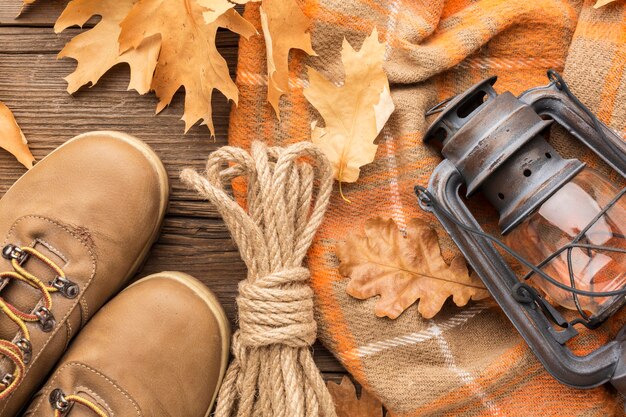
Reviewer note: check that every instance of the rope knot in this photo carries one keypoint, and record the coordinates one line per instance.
(277, 309)
(287, 191)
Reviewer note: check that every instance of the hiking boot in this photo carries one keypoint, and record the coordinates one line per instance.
(158, 349)
(75, 228)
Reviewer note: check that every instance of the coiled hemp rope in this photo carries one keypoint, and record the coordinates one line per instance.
(288, 189)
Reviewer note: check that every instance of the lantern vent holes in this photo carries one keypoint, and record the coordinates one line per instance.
(527, 172)
(471, 104)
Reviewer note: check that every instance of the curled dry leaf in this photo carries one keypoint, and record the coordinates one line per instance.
(12, 139)
(347, 404)
(97, 50)
(189, 57)
(402, 270)
(354, 113)
(285, 28)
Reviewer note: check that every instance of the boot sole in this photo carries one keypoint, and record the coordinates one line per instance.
(216, 308)
(157, 164)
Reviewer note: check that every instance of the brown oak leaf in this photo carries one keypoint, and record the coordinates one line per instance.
(402, 270)
(347, 404)
(12, 139)
(97, 50)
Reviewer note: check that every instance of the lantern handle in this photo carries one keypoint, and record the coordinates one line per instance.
(439, 107)
(560, 83)
(557, 101)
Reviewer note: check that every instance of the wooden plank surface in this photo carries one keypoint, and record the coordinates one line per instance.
(194, 238)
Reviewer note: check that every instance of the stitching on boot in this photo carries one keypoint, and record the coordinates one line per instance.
(64, 319)
(84, 311)
(52, 249)
(97, 397)
(68, 326)
(95, 371)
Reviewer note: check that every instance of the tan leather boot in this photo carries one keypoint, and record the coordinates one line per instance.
(158, 349)
(75, 228)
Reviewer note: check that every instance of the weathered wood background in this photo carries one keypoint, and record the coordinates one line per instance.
(194, 238)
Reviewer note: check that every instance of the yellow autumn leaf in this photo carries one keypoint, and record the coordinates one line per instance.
(355, 112)
(601, 3)
(402, 270)
(347, 404)
(12, 139)
(188, 57)
(285, 27)
(97, 50)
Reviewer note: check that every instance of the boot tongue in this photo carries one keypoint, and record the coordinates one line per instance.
(21, 295)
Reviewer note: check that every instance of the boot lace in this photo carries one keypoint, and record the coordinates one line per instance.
(19, 350)
(62, 404)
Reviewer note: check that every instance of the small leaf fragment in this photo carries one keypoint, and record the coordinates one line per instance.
(347, 404)
(402, 270)
(601, 3)
(12, 139)
(354, 113)
(285, 27)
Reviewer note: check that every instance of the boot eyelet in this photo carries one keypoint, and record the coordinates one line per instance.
(59, 402)
(46, 319)
(13, 252)
(66, 287)
(7, 379)
(26, 347)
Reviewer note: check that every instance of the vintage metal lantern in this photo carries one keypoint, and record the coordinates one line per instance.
(562, 221)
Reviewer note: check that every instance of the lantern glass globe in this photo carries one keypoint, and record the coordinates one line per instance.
(558, 221)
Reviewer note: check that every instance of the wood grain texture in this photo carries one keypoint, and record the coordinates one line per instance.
(194, 238)
(41, 13)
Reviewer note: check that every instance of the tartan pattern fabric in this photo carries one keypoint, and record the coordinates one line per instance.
(467, 361)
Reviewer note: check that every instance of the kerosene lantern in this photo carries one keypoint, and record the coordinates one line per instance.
(562, 221)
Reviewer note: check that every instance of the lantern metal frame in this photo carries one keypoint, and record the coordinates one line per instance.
(540, 324)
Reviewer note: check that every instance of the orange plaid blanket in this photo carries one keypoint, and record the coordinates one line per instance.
(469, 361)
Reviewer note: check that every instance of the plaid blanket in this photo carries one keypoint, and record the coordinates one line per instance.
(469, 361)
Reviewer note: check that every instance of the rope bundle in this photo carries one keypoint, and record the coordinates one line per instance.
(288, 189)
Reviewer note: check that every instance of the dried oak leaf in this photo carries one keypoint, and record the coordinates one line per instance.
(285, 28)
(348, 405)
(355, 112)
(188, 57)
(404, 269)
(12, 139)
(97, 50)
